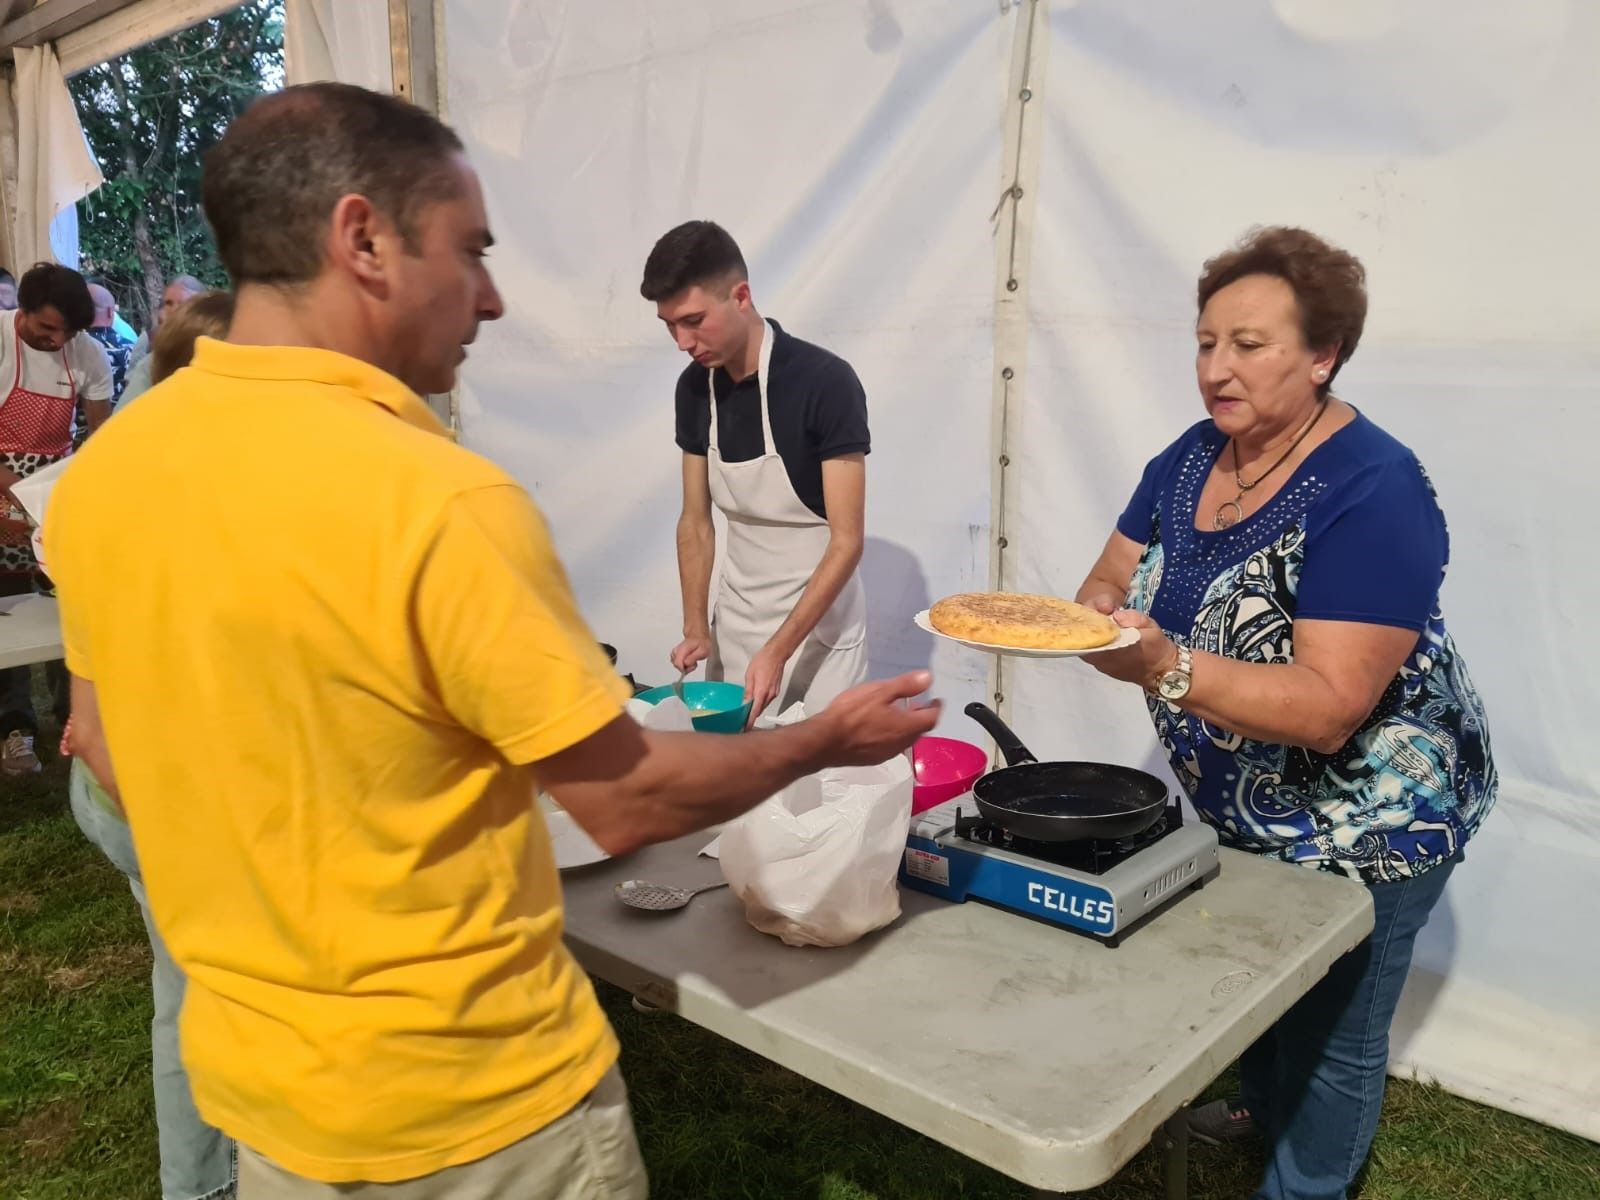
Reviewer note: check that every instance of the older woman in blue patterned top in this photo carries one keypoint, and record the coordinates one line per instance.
(1282, 561)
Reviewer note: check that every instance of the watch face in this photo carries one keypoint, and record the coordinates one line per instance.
(1174, 685)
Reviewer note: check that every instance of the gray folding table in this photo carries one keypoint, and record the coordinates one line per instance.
(1041, 1053)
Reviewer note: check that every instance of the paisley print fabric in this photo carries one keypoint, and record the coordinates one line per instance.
(1356, 534)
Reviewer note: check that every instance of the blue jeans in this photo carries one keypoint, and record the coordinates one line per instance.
(197, 1161)
(1314, 1081)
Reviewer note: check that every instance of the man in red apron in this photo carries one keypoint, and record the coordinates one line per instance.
(48, 364)
(774, 434)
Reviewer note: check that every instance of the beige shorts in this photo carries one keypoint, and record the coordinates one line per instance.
(589, 1154)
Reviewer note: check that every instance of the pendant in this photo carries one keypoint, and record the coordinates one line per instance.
(1228, 515)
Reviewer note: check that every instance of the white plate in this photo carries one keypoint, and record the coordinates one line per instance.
(1126, 638)
(573, 847)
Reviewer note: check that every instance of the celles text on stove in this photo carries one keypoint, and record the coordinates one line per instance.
(1093, 912)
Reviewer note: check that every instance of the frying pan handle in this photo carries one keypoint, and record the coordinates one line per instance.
(1010, 745)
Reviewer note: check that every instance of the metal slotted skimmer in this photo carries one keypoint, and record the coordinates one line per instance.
(659, 897)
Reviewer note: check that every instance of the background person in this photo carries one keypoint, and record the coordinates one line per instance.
(117, 348)
(206, 315)
(180, 289)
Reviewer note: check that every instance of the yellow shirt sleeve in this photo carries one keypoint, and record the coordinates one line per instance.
(496, 620)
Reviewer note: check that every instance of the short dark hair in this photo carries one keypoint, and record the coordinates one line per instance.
(6, 276)
(270, 185)
(50, 285)
(695, 252)
(1329, 284)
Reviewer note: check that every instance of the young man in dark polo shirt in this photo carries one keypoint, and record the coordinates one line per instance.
(782, 454)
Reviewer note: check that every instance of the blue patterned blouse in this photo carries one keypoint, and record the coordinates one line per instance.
(1355, 534)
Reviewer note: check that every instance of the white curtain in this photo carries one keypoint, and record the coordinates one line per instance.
(342, 40)
(54, 165)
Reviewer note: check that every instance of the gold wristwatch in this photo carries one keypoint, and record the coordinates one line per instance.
(1173, 685)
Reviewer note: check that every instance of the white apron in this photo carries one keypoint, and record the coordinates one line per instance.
(774, 545)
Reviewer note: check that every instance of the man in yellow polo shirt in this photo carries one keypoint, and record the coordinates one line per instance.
(322, 697)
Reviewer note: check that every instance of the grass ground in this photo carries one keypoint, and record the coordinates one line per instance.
(716, 1122)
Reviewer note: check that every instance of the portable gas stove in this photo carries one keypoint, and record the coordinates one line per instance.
(1100, 888)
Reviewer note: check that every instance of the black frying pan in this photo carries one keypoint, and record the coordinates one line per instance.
(1062, 801)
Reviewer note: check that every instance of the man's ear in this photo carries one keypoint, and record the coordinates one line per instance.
(360, 240)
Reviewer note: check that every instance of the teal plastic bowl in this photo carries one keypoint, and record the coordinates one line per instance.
(713, 707)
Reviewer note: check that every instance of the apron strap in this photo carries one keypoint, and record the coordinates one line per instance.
(16, 381)
(763, 369)
(763, 377)
(711, 390)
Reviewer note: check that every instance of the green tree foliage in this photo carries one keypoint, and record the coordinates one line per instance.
(150, 116)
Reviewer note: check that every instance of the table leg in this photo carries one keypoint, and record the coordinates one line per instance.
(1174, 1143)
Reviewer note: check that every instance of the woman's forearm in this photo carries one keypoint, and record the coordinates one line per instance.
(1284, 703)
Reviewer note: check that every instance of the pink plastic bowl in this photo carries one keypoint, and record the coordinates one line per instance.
(943, 768)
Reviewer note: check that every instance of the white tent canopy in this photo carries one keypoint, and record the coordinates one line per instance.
(858, 149)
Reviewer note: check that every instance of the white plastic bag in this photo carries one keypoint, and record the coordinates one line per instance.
(816, 865)
(32, 493)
